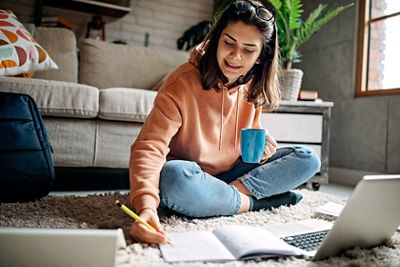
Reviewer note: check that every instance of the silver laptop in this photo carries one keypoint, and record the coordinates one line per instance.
(59, 247)
(369, 218)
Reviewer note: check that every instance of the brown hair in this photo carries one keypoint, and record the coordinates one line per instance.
(264, 85)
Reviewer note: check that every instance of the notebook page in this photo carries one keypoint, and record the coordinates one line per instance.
(195, 246)
(246, 242)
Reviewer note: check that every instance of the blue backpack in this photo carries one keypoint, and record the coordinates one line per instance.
(26, 163)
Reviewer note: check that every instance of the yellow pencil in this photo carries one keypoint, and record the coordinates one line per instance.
(136, 217)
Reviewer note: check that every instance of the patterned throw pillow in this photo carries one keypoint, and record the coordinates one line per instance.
(20, 54)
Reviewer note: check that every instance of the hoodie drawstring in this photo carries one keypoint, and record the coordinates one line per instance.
(222, 118)
(221, 128)
(237, 117)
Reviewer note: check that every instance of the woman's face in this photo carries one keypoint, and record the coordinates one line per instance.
(239, 47)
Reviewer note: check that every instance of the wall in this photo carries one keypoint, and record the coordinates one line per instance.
(364, 130)
(164, 20)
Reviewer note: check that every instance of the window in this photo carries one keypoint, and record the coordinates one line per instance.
(378, 53)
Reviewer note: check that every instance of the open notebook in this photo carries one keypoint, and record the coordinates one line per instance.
(39, 247)
(232, 242)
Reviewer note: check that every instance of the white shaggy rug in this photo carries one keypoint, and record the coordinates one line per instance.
(98, 211)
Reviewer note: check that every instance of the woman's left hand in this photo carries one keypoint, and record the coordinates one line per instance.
(270, 146)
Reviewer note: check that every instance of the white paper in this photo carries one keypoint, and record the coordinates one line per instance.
(330, 208)
(246, 242)
(195, 246)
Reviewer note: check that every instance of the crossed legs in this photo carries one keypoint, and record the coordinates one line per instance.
(188, 190)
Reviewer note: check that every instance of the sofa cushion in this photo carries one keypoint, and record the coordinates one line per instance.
(73, 141)
(55, 98)
(113, 143)
(105, 65)
(19, 52)
(125, 104)
(61, 44)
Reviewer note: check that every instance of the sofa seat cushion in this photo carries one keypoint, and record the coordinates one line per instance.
(113, 143)
(73, 141)
(125, 104)
(56, 98)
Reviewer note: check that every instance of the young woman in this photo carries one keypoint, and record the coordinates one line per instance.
(187, 155)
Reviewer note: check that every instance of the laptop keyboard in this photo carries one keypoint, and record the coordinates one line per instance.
(308, 242)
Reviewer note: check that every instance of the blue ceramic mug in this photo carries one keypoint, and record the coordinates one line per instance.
(252, 144)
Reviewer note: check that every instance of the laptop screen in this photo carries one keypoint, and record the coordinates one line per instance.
(59, 247)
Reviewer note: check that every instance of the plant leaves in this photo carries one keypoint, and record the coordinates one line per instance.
(277, 4)
(319, 17)
(294, 9)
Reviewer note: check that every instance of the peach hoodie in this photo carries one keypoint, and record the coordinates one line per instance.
(188, 123)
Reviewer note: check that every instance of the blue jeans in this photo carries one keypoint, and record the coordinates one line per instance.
(185, 188)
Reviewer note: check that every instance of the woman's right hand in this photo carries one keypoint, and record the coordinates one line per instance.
(143, 234)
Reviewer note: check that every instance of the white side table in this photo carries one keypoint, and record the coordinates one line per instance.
(303, 122)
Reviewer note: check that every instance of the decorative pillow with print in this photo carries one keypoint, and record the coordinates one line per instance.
(20, 54)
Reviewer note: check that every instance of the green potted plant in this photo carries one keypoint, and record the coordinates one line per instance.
(293, 31)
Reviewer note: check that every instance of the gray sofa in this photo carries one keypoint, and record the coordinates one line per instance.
(94, 106)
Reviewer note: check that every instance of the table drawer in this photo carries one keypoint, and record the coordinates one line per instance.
(294, 127)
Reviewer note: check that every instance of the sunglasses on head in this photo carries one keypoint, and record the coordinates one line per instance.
(261, 11)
